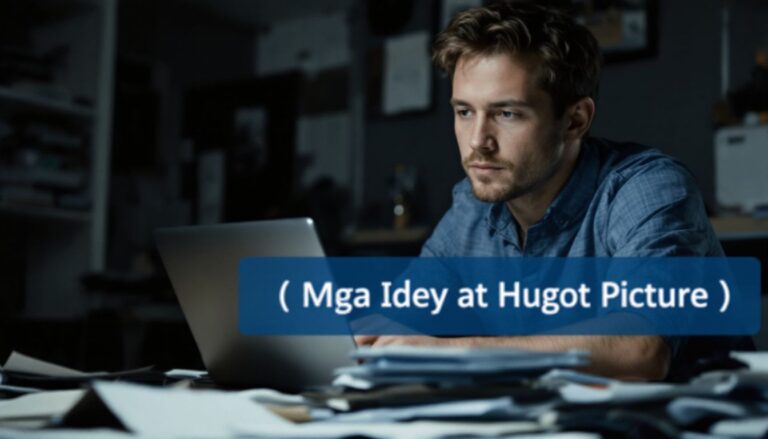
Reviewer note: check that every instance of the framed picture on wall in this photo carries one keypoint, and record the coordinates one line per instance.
(625, 29)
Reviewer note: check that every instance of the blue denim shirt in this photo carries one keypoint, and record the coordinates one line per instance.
(622, 199)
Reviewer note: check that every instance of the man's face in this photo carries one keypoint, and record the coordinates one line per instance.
(511, 144)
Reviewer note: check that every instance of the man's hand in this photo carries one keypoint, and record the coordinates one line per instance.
(391, 340)
(624, 357)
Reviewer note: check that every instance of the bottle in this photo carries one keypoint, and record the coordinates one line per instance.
(401, 210)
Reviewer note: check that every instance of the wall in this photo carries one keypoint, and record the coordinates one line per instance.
(665, 101)
(189, 47)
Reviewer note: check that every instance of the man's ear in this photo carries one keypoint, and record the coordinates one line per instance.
(579, 118)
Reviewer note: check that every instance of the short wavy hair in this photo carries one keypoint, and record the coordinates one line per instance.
(568, 53)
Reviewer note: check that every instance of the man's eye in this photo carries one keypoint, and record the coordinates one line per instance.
(508, 114)
(462, 112)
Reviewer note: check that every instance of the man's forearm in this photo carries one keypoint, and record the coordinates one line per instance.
(625, 357)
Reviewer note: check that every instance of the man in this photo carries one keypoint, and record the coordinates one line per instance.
(525, 80)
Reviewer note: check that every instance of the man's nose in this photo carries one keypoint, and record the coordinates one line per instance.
(482, 137)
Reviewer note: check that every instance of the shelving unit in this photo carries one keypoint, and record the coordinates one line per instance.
(14, 100)
(45, 213)
(63, 239)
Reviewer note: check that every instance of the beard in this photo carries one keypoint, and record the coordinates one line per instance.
(509, 182)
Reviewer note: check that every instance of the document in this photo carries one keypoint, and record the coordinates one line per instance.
(615, 392)
(743, 428)
(171, 412)
(411, 430)
(420, 364)
(91, 433)
(23, 368)
(756, 361)
(269, 396)
(688, 410)
(493, 408)
(37, 409)
(18, 362)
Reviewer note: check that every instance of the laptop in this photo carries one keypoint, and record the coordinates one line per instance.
(202, 263)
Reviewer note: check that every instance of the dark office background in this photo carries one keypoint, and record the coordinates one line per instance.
(169, 106)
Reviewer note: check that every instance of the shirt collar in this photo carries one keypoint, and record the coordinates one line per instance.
(567, 206)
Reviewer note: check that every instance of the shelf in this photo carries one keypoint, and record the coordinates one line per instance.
(384, 236)
(30, 101)
(48, 213)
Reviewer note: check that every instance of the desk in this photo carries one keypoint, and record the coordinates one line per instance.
(385, 241)
(613, 409)
(739, 227)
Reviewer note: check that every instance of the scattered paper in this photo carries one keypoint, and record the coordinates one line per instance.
(561, 376)
(477, 408)
(422, 430)
(351, 382)
(756, 361)
(94, 433)
(18, 362)
(269, 396)
(186, 374)
(743, 428)
(614, 392)
(17, 389)
(40, 404)
(688, 410)
(164, 412)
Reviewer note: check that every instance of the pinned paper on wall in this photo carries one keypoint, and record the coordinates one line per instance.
(310, 44)
(407, 80)
(324, 148)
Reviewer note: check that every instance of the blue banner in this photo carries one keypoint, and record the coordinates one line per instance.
(478, 296)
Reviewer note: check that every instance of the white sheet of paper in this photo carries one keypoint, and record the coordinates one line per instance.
(18, 362)
(746, 427)
(477, 408)
(269, 396)
(756, 361)
(18, 389)
(421, 429)
(687, 410)
(618, 391)
(164, 412)
(407, 82)
(185, 373)
(352, 382)
(571, 376)
(41, 404)
(90, 433)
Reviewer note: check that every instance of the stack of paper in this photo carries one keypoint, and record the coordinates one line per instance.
(419, 364)
(399, 383)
